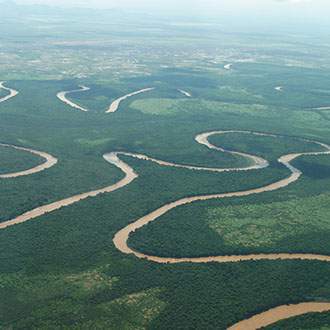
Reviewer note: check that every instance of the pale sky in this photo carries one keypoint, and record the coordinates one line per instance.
(206, 4)
(311, 10)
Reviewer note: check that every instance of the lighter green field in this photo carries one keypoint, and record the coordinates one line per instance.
(166, 107)
(261, 225)
(131, 311)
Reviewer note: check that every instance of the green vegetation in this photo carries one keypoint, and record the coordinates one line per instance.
(286, 220)
(272, 224)
(12, 160)
(70, 246)
(70, 296)
(157, 106)
(268, 147)
(62, 271)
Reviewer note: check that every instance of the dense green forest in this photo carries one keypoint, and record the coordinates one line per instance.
(65, 261)
(12, 160)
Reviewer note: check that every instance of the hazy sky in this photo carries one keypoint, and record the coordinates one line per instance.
(278, 10)
(218, 5)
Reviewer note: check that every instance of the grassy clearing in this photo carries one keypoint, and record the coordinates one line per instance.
(94, 143)
(70, 297)
(132, 312)
(162, 107)
(269, 224)
(239, 95)
(166, 107)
